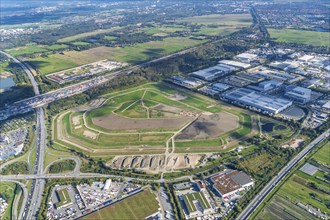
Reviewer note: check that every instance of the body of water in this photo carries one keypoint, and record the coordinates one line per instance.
(6, 83)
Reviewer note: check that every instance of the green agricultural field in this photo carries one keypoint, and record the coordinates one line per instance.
(31, 49)
(235, 20)
(57, 47)
(297, 190)
(164, 29)
(216, 31)
(131, 54)
(300, 188)
(52, 63)
(300, 36)
(111, 38)
(322, 155)
(138, 206)
(80, 43)
(145, 51)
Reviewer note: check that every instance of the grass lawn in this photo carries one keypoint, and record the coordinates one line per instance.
(322, 155)
(300, 36)
(138, 206)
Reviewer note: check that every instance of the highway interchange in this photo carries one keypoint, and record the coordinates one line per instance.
(32, 199)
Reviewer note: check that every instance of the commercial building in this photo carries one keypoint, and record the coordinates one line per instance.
(298, 94)
(214, 72)
(230, 182)
(257, 101)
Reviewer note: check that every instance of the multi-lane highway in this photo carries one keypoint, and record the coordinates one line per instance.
(282, 174)
(38, 185)
(34, 197)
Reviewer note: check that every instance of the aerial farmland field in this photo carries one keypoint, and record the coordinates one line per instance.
(138, 206)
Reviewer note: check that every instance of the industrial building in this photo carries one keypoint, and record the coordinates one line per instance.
(326, 107)
(266, 86)
(214, 72)
(63, 197)
(298, 94)
(257, 101)
(279, 76)
(230, 182)
(246, 57)
(214, 89)
(236, 64)
(195, 204)
(189, 83)
(107, 184)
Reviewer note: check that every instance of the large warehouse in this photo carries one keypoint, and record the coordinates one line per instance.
(229, 182)
(214, 72)
(258, 101)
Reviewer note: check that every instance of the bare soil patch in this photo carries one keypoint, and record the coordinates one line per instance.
(114, 122)
(155, 162)
(90, 134)
(76, 120)
(177, 97)
(209, 126)
(294, 143)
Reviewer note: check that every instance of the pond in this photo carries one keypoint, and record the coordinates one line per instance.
(6, 83)
(267, 127)
(280, 127)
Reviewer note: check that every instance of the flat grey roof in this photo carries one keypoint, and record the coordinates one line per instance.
(242, 178)
(309, 169)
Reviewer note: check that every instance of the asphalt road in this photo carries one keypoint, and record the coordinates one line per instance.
(39, 184)
(282, 174)
(35, 195)
(27, 70)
